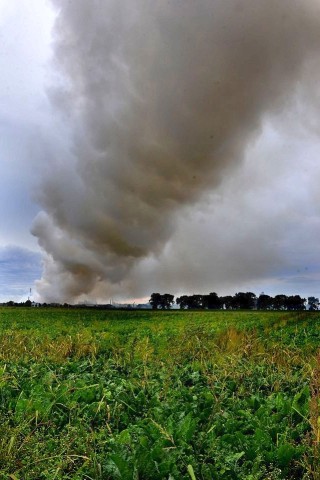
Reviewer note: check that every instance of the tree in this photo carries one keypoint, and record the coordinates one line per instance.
(155, 300)
(196, 302)
(167, 300)
(164, 301)
(280, 302)
(244, 301)
(295, 302)
(192, 302)
(183, 301)
(265, 302)
(227, 302)
(313, 304)
(212, 301)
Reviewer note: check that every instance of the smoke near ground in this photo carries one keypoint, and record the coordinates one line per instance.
(161, 103)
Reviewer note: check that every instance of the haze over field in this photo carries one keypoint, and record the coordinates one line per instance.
(176, 148)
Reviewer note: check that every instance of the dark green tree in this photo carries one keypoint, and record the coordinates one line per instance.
(196, 302)
(155, 300)
(163, 301)
(313, 304)
(192, 302)
(212, 301)
(244, 301)
(183, 302)
(265, 302)
(227, 302)
(280, 302)
(295, 302)
(166, 302)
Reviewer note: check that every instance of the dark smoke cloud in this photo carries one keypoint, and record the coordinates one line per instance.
(162, 99)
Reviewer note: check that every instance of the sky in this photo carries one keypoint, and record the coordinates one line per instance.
(24, 51)
(159, 146)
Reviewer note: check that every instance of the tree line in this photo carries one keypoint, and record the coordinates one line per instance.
(241, 300)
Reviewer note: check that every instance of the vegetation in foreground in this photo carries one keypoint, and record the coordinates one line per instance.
(89, 394)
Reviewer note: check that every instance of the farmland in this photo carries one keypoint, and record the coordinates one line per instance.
(88, 394)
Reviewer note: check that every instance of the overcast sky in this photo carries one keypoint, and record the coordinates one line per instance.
(141, 164)
(24, 51)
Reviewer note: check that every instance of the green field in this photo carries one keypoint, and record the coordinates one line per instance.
(88, 394)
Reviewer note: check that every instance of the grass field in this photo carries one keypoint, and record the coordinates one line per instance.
(89, 394)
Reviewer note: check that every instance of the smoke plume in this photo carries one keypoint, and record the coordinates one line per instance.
(160, 100)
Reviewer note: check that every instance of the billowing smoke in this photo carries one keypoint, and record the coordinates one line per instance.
(161, 100)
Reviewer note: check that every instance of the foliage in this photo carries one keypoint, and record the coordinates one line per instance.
(212, 301)
(163, 301)
(313, 303)
(192, 302)
(265, 302)
(244, 300)
(88, 394)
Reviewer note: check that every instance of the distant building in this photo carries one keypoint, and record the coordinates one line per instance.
(144, 306)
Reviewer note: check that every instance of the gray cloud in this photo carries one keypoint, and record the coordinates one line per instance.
(164, 101)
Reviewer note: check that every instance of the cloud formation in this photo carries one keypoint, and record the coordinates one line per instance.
(164, 101)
